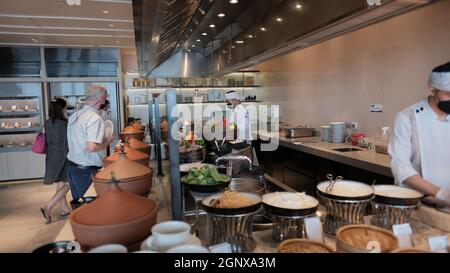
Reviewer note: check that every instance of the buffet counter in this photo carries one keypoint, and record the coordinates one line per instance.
(368, 160)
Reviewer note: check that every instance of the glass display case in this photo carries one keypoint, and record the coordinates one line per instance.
(21, 118)
(21, 115)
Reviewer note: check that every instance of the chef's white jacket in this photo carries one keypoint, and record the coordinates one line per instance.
(241, 117)
(420, 144)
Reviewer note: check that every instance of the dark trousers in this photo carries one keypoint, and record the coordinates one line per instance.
(80, 180)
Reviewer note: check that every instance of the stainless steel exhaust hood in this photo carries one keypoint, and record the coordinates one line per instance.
(187, 38)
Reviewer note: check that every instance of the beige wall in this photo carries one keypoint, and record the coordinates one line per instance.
(387, 63)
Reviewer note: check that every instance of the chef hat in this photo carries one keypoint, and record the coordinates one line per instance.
(233, 95)
(440, 78)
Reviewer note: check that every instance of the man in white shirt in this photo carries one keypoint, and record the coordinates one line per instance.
(420, 146)
(87, 142)
(240, 116)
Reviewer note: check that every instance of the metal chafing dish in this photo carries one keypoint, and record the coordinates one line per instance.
(288, 223)
(233, 226)
(345, 202)
(393, 205)
(299, 132)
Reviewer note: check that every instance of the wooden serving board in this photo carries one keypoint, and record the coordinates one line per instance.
(435, 218)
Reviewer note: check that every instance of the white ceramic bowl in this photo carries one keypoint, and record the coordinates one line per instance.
(188, 249)
(170, 234)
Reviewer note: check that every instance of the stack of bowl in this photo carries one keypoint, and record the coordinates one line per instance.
(325, 133)
(338, 132)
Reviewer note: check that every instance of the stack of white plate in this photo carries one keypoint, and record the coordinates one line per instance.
(337, 132)
(326, 133)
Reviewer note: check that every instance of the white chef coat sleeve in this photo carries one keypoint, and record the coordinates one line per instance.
(95, 130)
(400, 149)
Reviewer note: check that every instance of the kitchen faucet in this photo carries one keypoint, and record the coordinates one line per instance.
(230, 158)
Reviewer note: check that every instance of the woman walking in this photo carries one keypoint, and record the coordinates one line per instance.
(56, 160)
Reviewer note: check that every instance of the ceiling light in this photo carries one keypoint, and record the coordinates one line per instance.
(250, 36)
(73, 2)
(221, 15)
(263, 29)
(233, 47)
(105, 11)
(234, 1)
(34, 40)
(192, 45)
(189, 50)
(298, 6)
(204, 34)
(198, 40)
(239, 42)
(117, 41)
(111, 25)
(279, 19)
(224, 51)
(212, 26)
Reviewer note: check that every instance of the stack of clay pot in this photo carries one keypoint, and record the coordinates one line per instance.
(139, 145)
(135, 131)
(134, 177)
(116, 217)
(132, 154)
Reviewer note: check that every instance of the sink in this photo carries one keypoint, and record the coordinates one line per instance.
(346, 150)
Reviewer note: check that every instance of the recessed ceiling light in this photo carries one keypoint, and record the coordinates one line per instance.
(192, 45)
(204, 34)
(233, 47)
(298, 6)
(189, 50)
(212, 26)
(111, 25)
(250, 36)
(34, 40)
(221, 15)
(279, 19)
(234, 1)
(198, 40)
(117, 41)
(263, 29)
(239, 42)
(105, 11)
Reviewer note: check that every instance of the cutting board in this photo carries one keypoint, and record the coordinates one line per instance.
(435, 218)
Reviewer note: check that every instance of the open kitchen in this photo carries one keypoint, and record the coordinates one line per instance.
(226, 126)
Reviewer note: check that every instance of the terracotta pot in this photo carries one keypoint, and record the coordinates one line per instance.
(117, 217)
(132, 154)
(139, 146)
(140, 135)
(133, 176)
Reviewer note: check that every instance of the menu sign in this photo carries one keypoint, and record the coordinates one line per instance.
(404, 235)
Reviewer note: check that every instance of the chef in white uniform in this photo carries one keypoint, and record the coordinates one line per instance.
(240, 116)
(420, 144)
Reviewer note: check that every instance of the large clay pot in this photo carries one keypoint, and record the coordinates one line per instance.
(133, 132)
(116, 217)
(133, 176)
(139, 146)
(132, 154)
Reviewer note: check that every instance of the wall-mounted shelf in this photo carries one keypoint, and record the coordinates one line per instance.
(19, 114)
(20, 130)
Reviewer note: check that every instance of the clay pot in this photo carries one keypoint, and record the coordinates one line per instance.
(139, 146)
(116, 217)
(132, 133)
(133, 176)
(132, 154)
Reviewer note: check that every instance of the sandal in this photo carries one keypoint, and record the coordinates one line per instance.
(46, 216)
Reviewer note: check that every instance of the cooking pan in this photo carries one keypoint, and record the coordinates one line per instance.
(289, 212)
(208, 202)
(396, 196)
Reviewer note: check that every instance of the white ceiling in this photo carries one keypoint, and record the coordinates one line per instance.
(54, 23)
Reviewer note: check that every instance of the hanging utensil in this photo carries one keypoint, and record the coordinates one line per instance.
(332, 182)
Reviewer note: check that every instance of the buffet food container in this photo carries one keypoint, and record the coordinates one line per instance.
(345, 203)
(393, 205)
(232, 225)
(303, 246)
(360, 238)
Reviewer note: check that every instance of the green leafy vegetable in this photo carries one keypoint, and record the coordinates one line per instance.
(205, 176)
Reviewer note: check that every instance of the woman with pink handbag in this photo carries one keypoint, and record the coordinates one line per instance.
(56, 164)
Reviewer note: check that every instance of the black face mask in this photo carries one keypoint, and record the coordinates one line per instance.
(444, 106)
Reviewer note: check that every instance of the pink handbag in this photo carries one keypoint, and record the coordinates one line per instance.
(39, 144)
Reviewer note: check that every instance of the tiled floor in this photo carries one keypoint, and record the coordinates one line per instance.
(22, 227)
